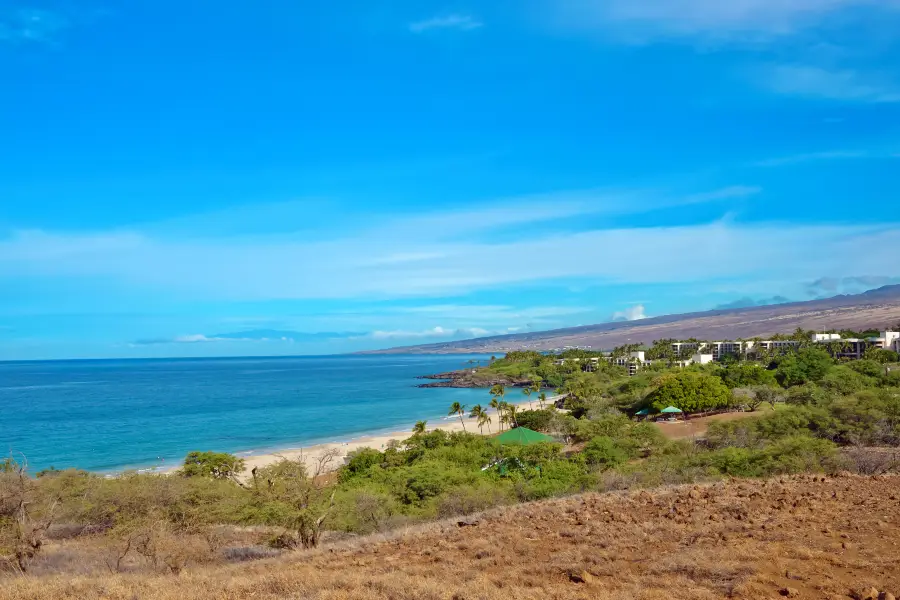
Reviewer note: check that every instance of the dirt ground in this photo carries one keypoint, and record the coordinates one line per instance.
(696, 427)
(798, 537)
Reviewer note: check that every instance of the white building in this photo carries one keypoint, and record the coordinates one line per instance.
(771, 345)
(701, 359)
(679, 347)
(825, 337)
(722, 349)
(888, 340)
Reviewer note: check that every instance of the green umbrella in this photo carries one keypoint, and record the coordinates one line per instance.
(670, 410)
(643, 413)
(523, 436)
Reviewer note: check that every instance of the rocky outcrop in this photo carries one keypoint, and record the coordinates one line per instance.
(471, 378)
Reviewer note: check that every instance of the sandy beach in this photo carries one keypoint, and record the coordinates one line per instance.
(311, 455)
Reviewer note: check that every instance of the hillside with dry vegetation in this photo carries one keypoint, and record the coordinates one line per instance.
(805, 536)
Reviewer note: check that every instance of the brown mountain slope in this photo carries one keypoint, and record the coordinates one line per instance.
(801, 537)
(876, 309)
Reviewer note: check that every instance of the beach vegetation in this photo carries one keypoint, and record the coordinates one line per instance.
(217, 465)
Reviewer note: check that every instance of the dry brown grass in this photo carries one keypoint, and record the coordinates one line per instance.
(822, 537)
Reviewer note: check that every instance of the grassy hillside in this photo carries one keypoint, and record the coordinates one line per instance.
(799, 537)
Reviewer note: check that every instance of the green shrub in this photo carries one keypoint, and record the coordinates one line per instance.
(603, 452)
(536, 420)
(358, 462)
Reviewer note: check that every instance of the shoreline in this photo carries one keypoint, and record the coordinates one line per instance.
(378, 440)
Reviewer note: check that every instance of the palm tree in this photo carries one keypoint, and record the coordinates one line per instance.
(527, 392)
(498, 391)
(511, 411)
(496, 406)
(541, 399)
(458, 409)
(477, 413)
(419, 427)
(483, 420)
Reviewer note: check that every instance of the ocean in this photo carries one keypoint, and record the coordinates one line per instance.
(113, 415)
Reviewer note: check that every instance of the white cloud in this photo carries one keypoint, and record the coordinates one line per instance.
(810, 157)
(359, 266)
(842, 84)
(735, 191)
(435, 332)
(632, 313)
(455, 21)
(639, 21)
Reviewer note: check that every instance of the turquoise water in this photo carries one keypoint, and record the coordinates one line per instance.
(112, 415)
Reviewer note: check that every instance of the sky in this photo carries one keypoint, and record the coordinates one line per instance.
(283, 177)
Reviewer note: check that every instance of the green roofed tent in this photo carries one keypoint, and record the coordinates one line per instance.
(643, 413)
(523, 436)
(671, 410)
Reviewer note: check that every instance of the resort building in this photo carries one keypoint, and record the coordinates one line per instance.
(633, 362)
(855, 348)
(722, 349)
(826, 337)
(701, 359)
(771, 345)
(679, 347)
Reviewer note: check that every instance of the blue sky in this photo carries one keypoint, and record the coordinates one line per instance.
(190, 179)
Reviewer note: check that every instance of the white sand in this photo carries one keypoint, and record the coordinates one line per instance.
(313, 454)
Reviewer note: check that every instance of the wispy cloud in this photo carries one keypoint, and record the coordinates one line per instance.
(260, 335)
(728, 193)
(811, 157)
(435, 332)
(455, 21)
(842, 84)
(641, 21)
(348, 266)
(748, 302)
(31, 25)
(831, 286)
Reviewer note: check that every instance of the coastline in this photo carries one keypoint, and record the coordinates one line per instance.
(312, 453)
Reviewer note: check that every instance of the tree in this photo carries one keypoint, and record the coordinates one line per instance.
(495, 404)
(478, 412)
(458, 409)
(537, 420)
(512, 411)
(299, 494)
(542, 397)
(527, 392)
(24, 520)
(881, 355)
(483, 418)
(769, 394)
(419, 427)
(806, 365)
(743, 374)
(498, 392)
(603, 452)
(691, 391)
(213, 465)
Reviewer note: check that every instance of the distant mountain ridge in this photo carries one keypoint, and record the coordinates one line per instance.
(875, 309)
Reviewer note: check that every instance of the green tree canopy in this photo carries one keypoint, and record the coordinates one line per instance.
(745, 374)
(691, 391)
(215, 465)
(806, 365)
